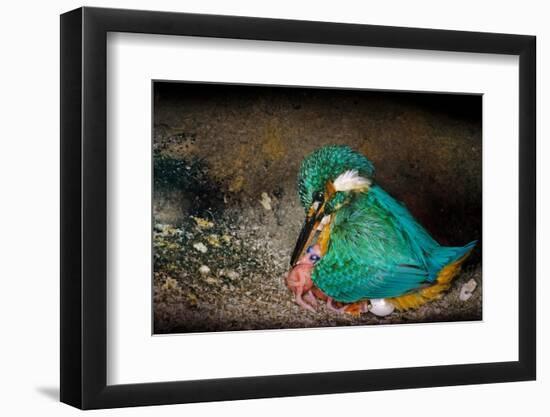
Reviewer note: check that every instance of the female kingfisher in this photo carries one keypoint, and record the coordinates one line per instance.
(370, 253)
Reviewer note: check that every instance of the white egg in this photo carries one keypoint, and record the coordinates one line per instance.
(380, 307)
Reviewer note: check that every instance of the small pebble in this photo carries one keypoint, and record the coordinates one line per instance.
(232, 275)
(204, 270)
(201, 247)
(202, 223)
(213, 240)
(265, 201)
(467, 290)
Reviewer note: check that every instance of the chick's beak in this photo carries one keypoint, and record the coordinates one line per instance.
(315, 214)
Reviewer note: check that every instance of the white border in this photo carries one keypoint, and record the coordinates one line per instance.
(134, 356)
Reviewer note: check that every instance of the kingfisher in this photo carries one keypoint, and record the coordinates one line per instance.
(370, 254)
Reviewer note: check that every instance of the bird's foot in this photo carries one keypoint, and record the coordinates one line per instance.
(332, 307)
(354, 309)
(307, 301)
(309, 297)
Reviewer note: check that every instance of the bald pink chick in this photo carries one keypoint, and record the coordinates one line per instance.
(298, 280)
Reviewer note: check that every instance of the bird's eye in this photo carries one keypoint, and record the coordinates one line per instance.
(314, 258)
(318, 196)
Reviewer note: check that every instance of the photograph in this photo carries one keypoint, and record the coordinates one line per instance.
(284, 207)
(237, 186)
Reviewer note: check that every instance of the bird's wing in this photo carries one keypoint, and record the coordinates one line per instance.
(369, 255)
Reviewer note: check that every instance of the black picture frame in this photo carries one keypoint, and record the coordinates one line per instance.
(84, 207)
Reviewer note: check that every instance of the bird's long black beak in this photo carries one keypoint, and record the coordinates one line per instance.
(307, 232)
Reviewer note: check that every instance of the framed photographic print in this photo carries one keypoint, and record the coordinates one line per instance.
(337, 207)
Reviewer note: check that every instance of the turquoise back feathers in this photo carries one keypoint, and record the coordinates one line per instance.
(376, 248)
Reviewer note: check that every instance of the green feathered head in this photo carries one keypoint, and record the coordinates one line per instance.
(328, 178)
(336, 164)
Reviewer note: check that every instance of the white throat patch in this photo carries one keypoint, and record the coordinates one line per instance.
(350, 181)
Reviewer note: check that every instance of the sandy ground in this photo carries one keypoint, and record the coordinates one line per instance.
(235, 282)
(226, 213)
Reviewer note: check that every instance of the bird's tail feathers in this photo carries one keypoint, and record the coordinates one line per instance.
(442, 256)
(451, 259)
